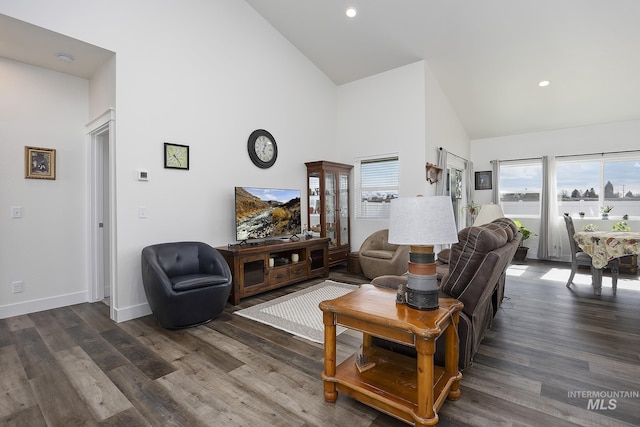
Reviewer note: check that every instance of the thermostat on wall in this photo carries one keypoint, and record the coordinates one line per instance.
(142, 175)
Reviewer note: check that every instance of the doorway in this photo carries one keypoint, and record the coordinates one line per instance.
(101, 218)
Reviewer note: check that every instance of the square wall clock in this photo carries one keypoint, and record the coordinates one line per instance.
(176, 156)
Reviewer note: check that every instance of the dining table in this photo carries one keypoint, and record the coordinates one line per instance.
(605, 247)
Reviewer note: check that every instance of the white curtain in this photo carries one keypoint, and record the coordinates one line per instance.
(469, 188)
(549, 238)
(495, 176)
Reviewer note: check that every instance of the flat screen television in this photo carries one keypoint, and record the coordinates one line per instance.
(264, 213)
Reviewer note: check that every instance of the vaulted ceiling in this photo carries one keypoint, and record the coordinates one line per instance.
(488, 55)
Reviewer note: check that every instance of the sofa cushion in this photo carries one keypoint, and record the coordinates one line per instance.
(468, 255)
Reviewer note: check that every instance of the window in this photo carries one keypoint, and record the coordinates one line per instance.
(521, 187)
(586, 185)
(376, 184)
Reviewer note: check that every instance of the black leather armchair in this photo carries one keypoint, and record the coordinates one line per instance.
(186, 283)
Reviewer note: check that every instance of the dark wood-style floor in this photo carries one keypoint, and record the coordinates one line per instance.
(550, 353)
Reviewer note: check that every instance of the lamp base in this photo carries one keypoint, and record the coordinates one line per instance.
(422, 300)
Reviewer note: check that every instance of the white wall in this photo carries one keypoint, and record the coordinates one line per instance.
(206, 76)
(102, 89)
(46, 247)
(443, 126)
(380, 115)
(401, 111)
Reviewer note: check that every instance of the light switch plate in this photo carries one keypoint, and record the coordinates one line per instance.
(16, 211)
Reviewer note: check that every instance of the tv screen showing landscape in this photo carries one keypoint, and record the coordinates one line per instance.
(262, 213)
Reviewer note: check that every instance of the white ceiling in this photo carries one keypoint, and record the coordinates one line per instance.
(487, 55)
(33, 45)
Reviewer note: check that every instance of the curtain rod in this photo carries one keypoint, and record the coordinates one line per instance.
(601, 154)
(454, 155)
(519, 160)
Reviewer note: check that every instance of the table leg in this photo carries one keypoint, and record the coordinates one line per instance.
(596, 275)
(425, 348)
(452, 355)
(329, 320)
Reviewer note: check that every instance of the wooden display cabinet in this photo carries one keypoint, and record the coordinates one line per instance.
(263, 266)
(328, 187)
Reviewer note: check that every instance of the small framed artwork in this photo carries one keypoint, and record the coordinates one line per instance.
(39, 163)
(176, 156)
(483, 180)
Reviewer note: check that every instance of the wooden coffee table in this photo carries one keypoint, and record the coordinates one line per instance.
(410, 389)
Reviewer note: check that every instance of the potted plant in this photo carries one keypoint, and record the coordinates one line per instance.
(620, 226)
(472, 208)
(581, 214)
(605, 211)
(521, 252)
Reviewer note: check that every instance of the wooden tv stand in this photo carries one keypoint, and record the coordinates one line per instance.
(253, 274)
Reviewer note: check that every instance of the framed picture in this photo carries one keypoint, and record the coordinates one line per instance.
(483, 180)
(176, 156)
(39, 163)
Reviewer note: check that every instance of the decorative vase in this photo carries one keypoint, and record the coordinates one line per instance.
(605, 215)
(581, 215)
(521, 253)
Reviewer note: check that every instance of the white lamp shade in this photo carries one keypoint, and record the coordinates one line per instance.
(488, 213)
(422, 221)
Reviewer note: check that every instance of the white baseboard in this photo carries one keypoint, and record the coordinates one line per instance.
(132, 312)
(18, 309)
(42, 304)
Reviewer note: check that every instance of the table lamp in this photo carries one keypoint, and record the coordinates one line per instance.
(422, 222)
(487, 214)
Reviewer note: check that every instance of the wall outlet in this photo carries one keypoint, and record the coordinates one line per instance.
(18, 287)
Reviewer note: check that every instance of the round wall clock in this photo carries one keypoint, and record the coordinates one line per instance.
(262, 148)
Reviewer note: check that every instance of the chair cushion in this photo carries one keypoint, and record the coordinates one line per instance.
(378, 253)
(195, 281)
(443, 256)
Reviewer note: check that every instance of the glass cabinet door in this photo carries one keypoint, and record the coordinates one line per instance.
(344, 209)
(330, 208)
(315, 222)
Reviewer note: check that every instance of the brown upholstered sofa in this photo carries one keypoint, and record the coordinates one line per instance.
(476, 276)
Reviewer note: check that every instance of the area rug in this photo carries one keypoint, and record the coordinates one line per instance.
(298, 313)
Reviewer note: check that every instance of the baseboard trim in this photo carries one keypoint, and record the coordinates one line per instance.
(132, 312)
(42, 304)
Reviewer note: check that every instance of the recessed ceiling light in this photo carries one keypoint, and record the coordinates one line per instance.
(351, 12)
(544, 83)
(65, 57)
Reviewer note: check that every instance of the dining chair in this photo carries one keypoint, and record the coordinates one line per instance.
(580, 258)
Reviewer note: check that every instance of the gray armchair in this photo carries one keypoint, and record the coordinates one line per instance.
(378, 257)
(186, 283)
